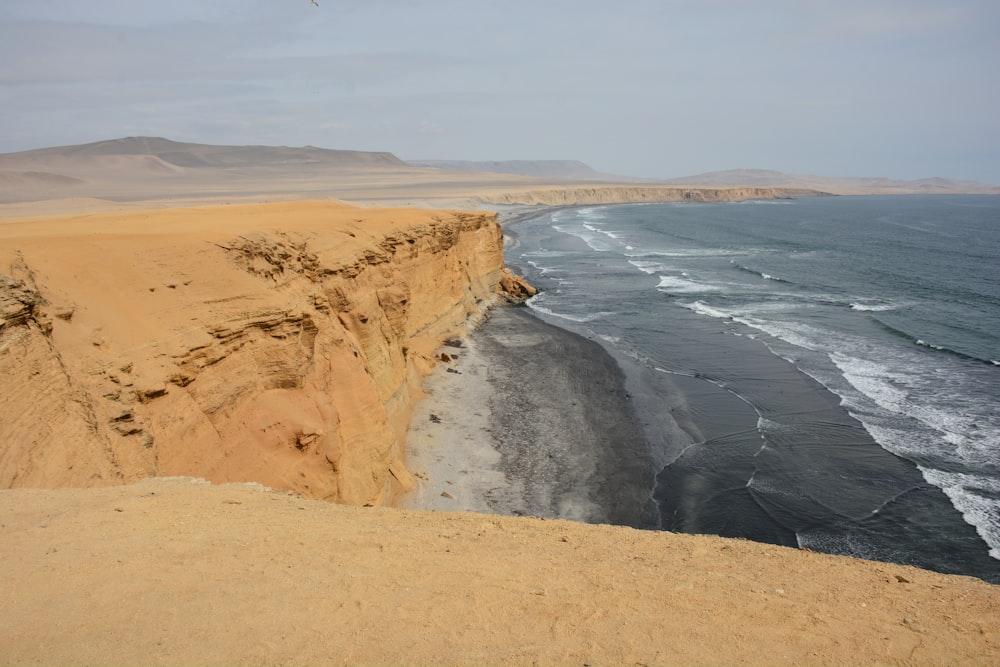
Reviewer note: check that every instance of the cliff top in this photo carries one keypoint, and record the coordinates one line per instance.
(173, 571)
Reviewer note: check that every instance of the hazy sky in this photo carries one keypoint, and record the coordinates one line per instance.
(656, 88)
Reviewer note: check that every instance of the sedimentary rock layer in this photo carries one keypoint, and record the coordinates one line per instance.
(280, 343)
(623, 194)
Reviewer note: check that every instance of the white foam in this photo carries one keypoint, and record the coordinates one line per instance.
(977, 510)
(534, 304)
(675, 285)
(648, 267)
(595, 240)
(872, 307)
(703, 309)
(688, 252)
(765, 276)
(544, 253)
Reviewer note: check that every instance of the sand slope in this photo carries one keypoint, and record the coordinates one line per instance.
(174, 572)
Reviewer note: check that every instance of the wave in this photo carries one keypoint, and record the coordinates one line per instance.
(610, 234)
(920, 342)
(686, 252)
(872, 307)
(975, 497)
(675, 285)
(648, 267)
(544, 270)
(704, 309)
(765, 276)
(534, 304)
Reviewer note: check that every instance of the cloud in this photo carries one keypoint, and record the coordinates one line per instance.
(647, 87)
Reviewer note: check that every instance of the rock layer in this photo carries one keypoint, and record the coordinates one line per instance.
(624, 194)
(281, 344)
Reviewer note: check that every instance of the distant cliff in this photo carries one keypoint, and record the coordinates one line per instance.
(623, 194)
(281, 344)
(569, 170)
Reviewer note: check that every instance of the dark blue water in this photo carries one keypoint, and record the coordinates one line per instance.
(834, 363)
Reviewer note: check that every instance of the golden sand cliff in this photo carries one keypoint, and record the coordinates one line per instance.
(282, 344)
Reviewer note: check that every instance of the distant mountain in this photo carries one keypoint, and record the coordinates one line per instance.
(835, 184)
(186, 155)
(136, 168)
(563, 170)
(153, 168)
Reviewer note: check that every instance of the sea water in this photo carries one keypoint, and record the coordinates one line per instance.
(834, 362)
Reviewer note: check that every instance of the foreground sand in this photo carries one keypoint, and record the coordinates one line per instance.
(172, 571)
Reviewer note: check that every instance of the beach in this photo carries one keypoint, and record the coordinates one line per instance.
(529, 419)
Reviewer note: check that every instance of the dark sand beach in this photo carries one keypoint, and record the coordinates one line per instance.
(531, 419)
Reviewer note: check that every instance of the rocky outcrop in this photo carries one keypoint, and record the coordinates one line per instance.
(515, 287)
(623, 194)
(282, 344)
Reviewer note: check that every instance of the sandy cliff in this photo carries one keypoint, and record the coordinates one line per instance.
(280, 343)
(621, 194)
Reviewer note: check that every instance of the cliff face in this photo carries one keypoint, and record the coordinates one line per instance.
(281, 343)
(614, 194)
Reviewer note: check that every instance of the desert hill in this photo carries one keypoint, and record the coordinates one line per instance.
(151, 168)
(835, 184)
(180, 154)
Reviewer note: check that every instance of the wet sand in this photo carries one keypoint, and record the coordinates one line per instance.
(530, 419)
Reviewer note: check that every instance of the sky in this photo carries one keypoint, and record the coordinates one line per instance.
(649, 88)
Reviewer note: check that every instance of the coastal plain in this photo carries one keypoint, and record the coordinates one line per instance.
(207, 409)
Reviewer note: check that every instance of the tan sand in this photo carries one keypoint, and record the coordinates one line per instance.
(172, 572)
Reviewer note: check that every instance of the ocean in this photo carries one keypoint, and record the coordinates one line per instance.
(826, 371)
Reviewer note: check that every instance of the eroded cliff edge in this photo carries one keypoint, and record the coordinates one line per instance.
(276, 343)
(627, 194)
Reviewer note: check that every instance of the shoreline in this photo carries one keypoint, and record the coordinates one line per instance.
(516, 383)
(670, 411)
